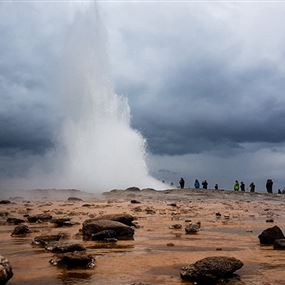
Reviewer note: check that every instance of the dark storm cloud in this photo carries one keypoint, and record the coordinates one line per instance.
(204, 82)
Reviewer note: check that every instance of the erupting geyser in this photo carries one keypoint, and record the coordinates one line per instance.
(98, 148)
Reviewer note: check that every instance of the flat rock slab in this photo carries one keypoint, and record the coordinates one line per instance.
(74, 260)
(6, 272)
(44, 240)
(58, 247)
(268, 236)
(126, 219)
(210, 269)
(92, 227)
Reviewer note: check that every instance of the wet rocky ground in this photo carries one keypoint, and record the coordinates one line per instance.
(219, 223)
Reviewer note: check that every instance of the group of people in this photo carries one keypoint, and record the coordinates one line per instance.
(196, 184)
(241, 186)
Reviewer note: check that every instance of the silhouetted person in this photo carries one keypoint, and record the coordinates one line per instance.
(242, 187)
(181, 183)
(279, 191)
(216, 187)
(269, 185)
(196, 184)
(252, 187)
(205, 184)
(236, 186)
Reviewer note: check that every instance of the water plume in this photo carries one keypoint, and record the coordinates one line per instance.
(99, 149)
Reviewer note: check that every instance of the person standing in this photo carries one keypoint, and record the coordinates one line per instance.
(252, 187)
(236, 186)
(181, 183)
(242, 187)
(205, 184)
(196, 184)
(269, 185)
(216, 187)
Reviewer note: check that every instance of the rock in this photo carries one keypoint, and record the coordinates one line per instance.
(137, 209)
(5, 202)
(59, 247)
(103, 235)
(192, 228)
(6, 272)
(15, 221)
(44, 240)
(39, 218)
(62, 222)
(87, 205)
(149, 211)
(20, 230)
(269, 221)
(133, 189)
(210, 269)
(218, 215)
(170, 244)
(279, 244)
(135, 202)
(176, 226)
(74, 260)
(91, 227)
(74, 199)
(121, 218)
(269, 235)
(172, 204)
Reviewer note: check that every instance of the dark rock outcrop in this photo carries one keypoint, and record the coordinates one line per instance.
(133, 189)
(15, 221)
(20, 230)
(5, 202)
(39, 218)
(74, 199)
(6, 272)
(210, 269)
(268, 236)
(74, 260)
(192, 228)
(92, 227)
(58, 247)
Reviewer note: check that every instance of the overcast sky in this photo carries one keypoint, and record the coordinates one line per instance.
(205, 83)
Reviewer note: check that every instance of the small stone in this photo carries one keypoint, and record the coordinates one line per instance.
(59, 247)
(135, 201)
(74, 260)
(39, 218)
(269, 221)
(20, 230)
(15, 221)
(176, 226)
(74, 199)
(170, 244)
(5, 202)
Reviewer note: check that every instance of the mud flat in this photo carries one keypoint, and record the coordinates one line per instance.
(229, 226)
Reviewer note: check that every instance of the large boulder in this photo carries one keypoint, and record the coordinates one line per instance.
(6, 272)
(91, 227)
(268, 236)
(39, 218)
(210, 269)
(58, 247)
(126, 219)
(74, 260)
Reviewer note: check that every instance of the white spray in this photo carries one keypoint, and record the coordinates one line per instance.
(98, 148)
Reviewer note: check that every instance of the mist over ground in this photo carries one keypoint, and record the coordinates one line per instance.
(204, 82)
